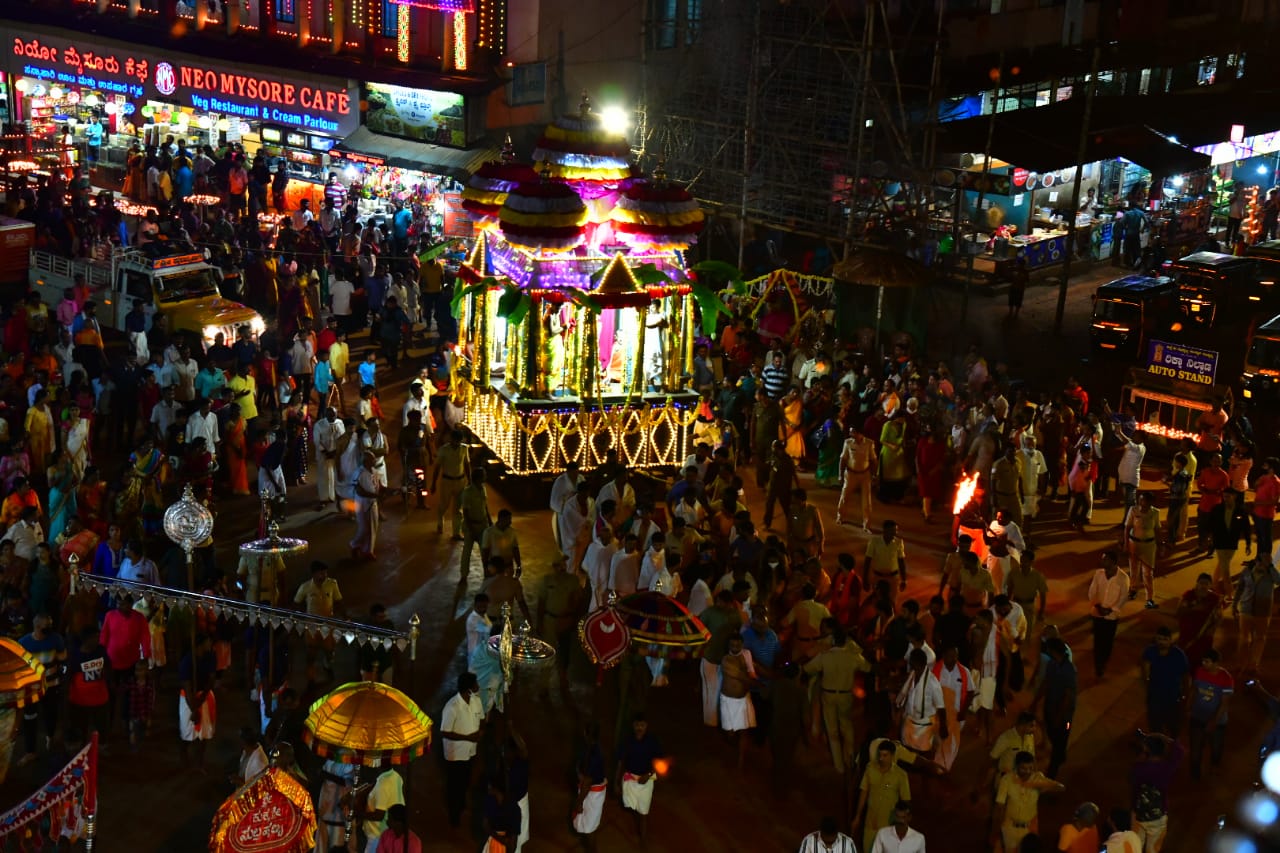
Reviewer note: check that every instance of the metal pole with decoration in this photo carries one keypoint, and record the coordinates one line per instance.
(272, 546)
(189, 523)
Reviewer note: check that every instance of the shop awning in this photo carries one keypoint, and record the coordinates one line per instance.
(1046, 138)
(422, 156)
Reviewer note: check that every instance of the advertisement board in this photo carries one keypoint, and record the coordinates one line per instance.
(1177, 361)
(315, 104)
(423, 115)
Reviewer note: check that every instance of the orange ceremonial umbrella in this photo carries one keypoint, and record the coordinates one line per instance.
(367, 723)
(21, 676)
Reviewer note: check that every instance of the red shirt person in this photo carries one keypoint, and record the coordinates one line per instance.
(126, 636)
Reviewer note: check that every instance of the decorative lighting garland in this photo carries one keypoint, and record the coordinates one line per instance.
(460, 41)
(402, 32)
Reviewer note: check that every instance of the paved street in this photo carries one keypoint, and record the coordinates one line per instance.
(150, 803)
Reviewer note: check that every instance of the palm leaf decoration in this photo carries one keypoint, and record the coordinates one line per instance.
(461, 293)
(433, 252)
(648, 274)
(513, 304)
(718, 274)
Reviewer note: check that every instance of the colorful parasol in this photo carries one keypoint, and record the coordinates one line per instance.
(544, 216)
(604, 636)
(488, 188)
(579, 148)
(367, 723)
(271, 814)
(652, 617)
(657, 215)
(21, 676)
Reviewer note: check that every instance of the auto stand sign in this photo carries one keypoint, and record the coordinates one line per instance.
(1176, 361)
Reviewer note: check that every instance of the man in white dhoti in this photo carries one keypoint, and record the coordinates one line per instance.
(562, 490)
(596, 565)
(920, 705)
(639, 760)
(574, 526)
(592, 786)
(1004, 539)
(326, 434)
(620, 492)
(1034, 473)
(957, 691)
(374, 441)
(365, 542)
(737, 677)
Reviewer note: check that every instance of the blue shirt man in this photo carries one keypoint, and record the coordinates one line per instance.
(762, 642)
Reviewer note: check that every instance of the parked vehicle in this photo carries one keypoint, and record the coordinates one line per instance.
(175, 280)
(1130, 311)
(1213, 287)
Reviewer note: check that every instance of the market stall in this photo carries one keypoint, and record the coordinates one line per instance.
(577, 320)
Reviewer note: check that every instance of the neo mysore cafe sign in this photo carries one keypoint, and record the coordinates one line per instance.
(248, 96)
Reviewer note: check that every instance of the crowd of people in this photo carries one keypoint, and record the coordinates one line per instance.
(810, 644)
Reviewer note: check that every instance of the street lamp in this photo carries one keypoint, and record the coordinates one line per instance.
(615, 120)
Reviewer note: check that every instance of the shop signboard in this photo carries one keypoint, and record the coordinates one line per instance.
(423, 115)
(1177, 361)
(457, 224)
(314, 104)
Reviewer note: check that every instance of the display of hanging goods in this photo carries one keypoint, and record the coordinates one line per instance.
(604, 637)
(488, 188)
(652, 617)
(272, 813)
(657, 215)
(367, 723)
(544, 216)
(22, 677)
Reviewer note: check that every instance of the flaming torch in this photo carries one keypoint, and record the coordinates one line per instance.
(965, 490)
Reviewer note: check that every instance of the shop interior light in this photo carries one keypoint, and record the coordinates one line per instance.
(1262, 170)
(614, 119)
(351, 173)
(90, 100)
(204, 122)
(245, 128)
(55, 92)
(1177, 182)
(224, 125)
(110, 108)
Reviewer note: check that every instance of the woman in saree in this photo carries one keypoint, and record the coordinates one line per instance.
(78, 541)
(62, 493)
(830, 446)
(197, 469)
(75, 439)
(39, 429)
(91, 502)
(791, 430)
(236, 452)
(893, 460)
(140, 505)
(14, 464)
(297, 426)
(110, 553)
(931, 464)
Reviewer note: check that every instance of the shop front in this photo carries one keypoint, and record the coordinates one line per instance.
(417, 147)
(98, 98)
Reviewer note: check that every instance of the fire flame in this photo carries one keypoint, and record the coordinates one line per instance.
(965, 490)
(661, 766)
(1167, 432)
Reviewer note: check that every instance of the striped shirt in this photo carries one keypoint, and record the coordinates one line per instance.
(775, 381)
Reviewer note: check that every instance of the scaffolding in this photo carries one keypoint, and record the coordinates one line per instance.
(779, 105)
